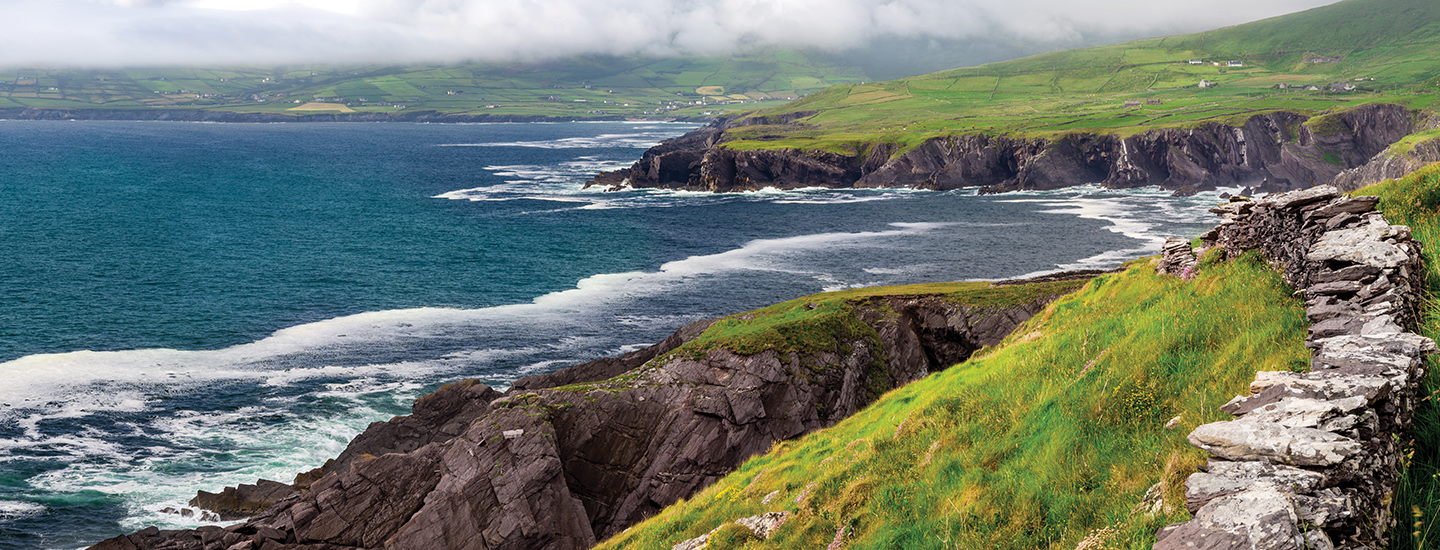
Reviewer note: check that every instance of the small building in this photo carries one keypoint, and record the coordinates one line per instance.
(1207, 84)
(1312, 89)
(1284, 86)
(1235, 64)
(1152, 102)
(1197, 61)
(1130, 104)
(1342, 87)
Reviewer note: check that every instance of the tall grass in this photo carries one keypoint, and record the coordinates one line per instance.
(1050, 439)
(1413, 201)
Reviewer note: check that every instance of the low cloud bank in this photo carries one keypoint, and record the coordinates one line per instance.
(109, 33)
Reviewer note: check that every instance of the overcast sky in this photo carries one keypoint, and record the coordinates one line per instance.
(107, 33)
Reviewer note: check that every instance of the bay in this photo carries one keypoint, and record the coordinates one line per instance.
(190, 306)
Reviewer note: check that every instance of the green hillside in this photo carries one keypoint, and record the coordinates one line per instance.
(1387, 50)
(1052, 438)
(580, 87)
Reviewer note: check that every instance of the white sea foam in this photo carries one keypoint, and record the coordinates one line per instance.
(79, 383)
(1134, 213)
(13, 509)
(268, 441)
(632, 140)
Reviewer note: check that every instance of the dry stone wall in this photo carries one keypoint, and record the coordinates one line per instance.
(1312, 459)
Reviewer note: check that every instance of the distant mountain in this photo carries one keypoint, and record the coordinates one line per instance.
(576, 87)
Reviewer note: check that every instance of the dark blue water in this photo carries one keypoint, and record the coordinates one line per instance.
(189, 306)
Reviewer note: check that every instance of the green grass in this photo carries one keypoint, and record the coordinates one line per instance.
(1408, 143)
(1049, 438)
(1415, 201)
(823, 321)
(1391, 44)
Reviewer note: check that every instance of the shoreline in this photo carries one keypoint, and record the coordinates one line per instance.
(204, 115)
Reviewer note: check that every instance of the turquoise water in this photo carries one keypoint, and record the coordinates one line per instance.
(189, 306)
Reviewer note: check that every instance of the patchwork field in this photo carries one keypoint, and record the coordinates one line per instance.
(577, 87)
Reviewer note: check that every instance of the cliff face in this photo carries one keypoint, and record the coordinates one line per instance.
(1395, 162)
(564, 459)
(1271, 151)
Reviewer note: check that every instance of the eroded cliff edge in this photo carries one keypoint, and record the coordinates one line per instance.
(563, 459)
(1271, 151)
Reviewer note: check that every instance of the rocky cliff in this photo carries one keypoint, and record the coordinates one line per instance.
(563, 459)
(1272, 151)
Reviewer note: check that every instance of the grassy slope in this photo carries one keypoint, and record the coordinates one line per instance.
(1395, 42)
(1050, 438)
(1415, 201)
(816, 322)
(757, 80)
(827, 321)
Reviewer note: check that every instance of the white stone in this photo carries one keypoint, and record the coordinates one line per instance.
(1325, 385)
(1362, 245)
(1264, 514)
(1383, 325)
(764, 525)
(1299, 197)
(1246, 440)
(1304, 413)
(512, 434)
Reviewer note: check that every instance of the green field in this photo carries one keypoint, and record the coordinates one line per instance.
(577, 87)
(1388, 50)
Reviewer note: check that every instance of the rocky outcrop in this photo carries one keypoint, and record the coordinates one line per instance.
(1272, 151)
(1395, 161)
(1178, 259)
(1390, 165)
(1313, 458)
(562, 460)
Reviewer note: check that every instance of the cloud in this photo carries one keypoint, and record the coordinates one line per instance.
(209, 32)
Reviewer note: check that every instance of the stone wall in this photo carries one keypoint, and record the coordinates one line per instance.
(1313, 458)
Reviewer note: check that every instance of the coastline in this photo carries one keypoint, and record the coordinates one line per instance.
(1269, 152)
(204, 115)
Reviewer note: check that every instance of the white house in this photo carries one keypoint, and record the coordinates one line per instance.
(1234, 64)
(1207, 84)
(1197, 61)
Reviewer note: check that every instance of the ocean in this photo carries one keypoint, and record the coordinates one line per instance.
(190, 306)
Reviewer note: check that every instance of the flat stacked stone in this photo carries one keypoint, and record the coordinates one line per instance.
(1312, 459)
